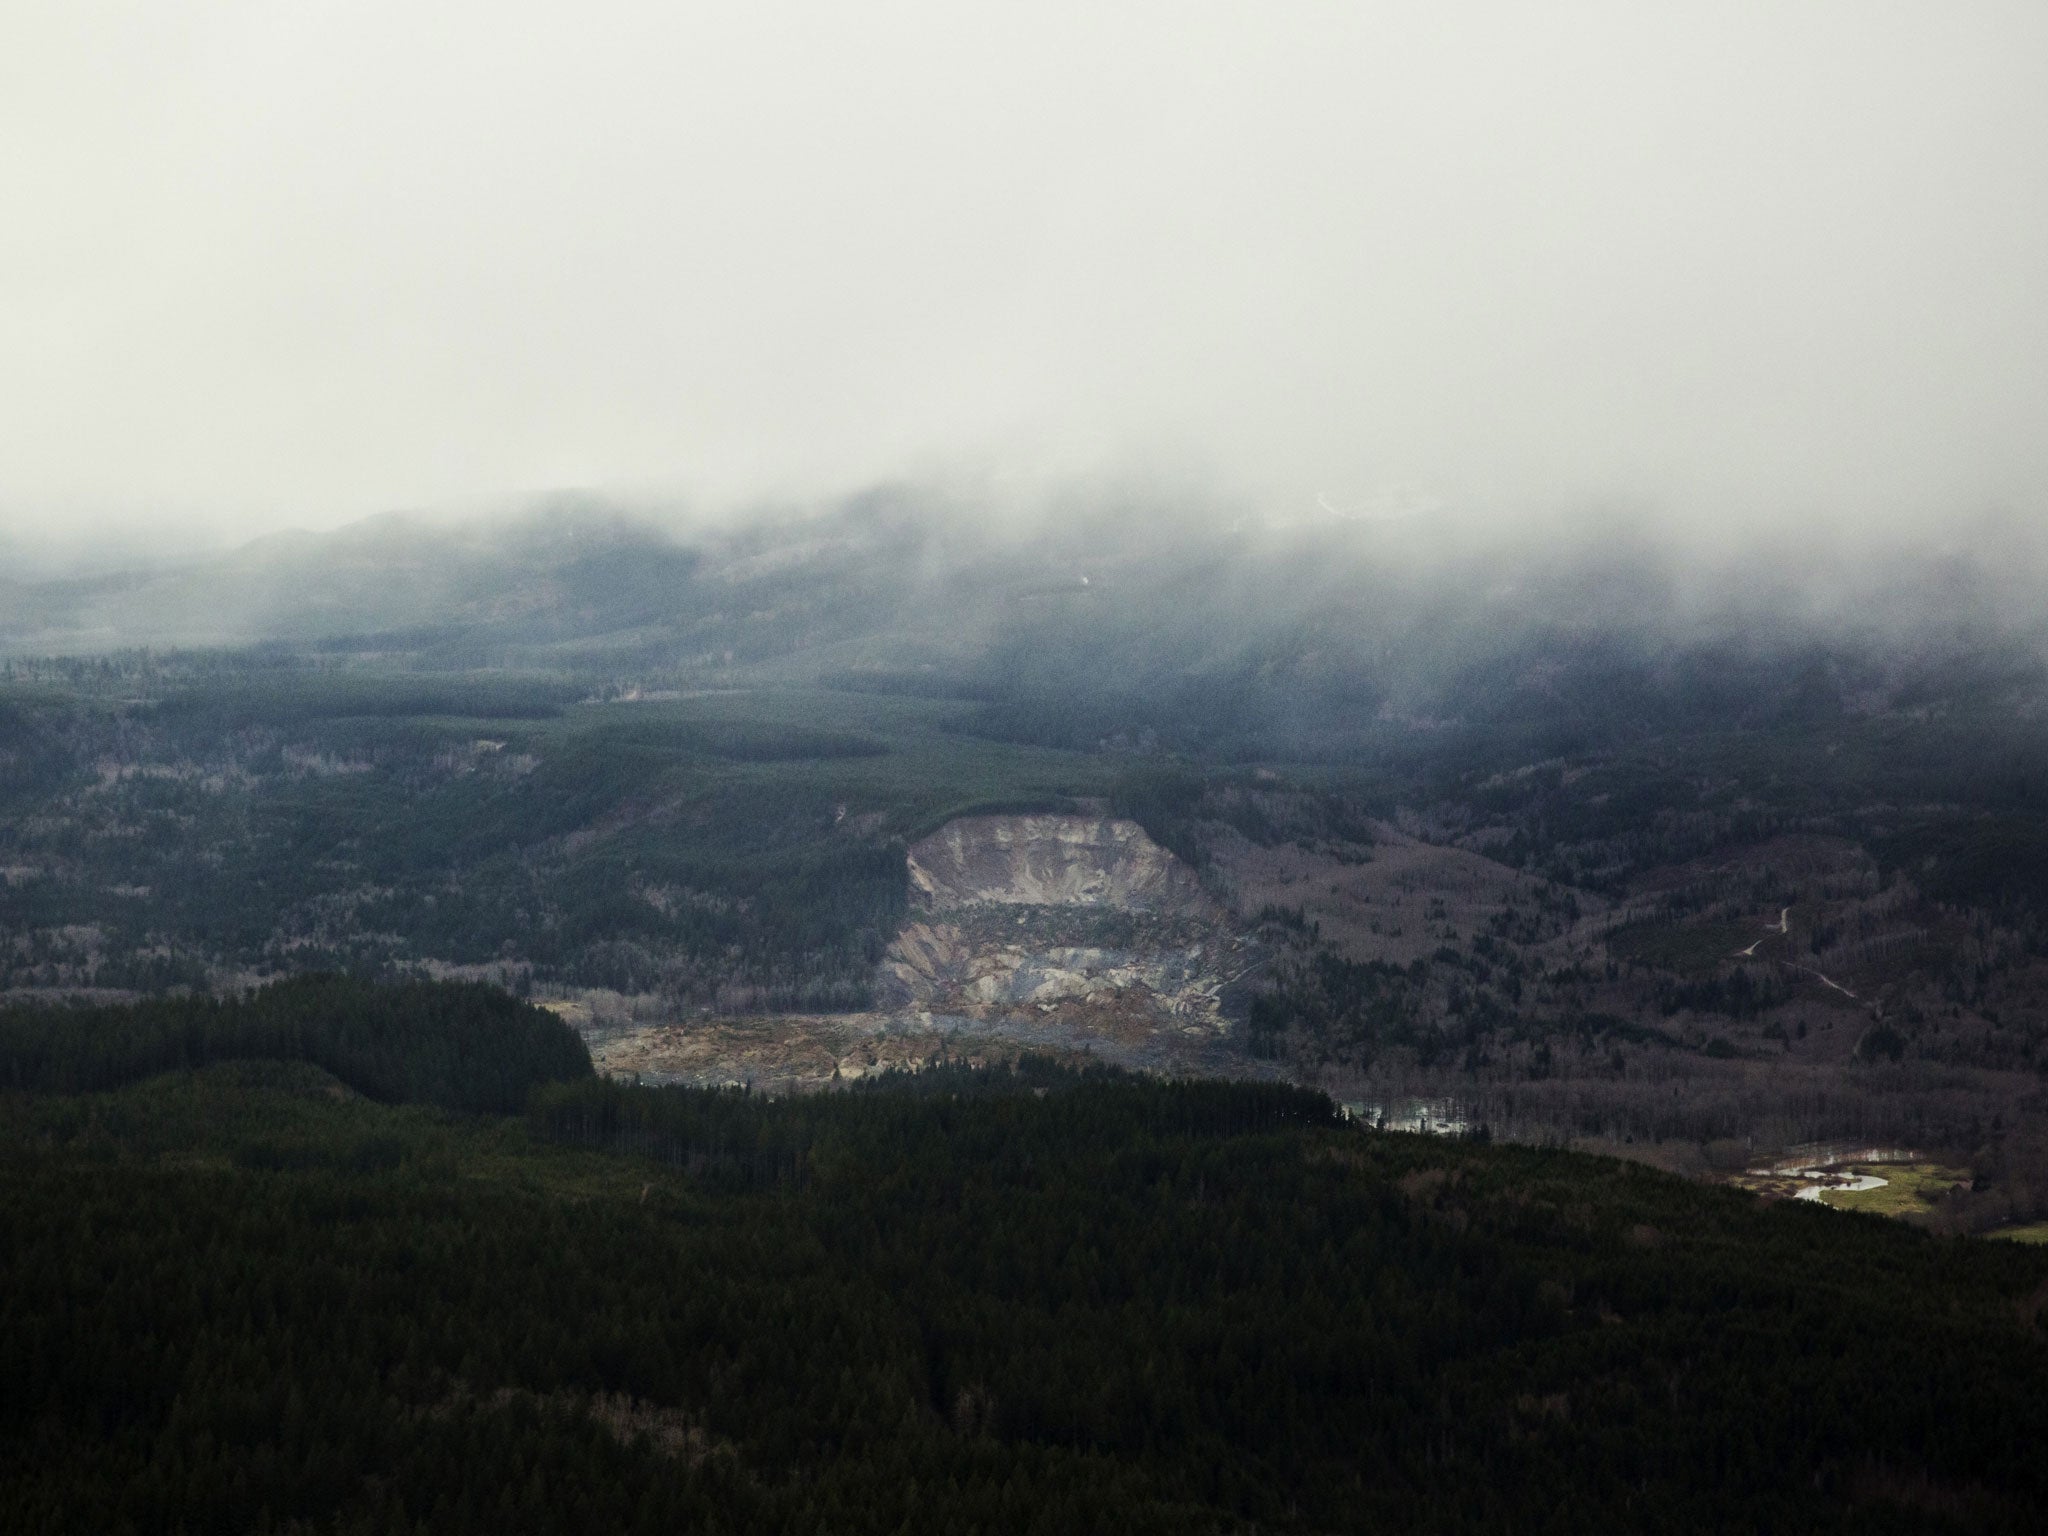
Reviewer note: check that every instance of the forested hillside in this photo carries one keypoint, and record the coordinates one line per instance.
(241, 1298)
(459, 1045)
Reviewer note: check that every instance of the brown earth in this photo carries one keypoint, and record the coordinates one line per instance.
(1074, 936)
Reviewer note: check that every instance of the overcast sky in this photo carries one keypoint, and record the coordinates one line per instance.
(288, 262)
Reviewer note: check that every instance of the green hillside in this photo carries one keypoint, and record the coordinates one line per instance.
(247, 1298)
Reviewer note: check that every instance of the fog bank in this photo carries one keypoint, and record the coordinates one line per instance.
(1740, 267)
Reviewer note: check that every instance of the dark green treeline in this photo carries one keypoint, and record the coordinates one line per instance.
(456, 1044)
(1008, 1301)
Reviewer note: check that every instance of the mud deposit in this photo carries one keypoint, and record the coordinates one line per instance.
(785, 1053)
(1068, 935)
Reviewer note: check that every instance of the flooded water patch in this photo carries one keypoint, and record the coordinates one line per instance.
(1883, 1181)
(1828, 1181)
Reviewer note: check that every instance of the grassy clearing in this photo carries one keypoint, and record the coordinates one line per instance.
(1909, 1188)
(2029, 1232)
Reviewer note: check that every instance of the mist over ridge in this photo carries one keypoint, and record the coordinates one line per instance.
(1125, 619)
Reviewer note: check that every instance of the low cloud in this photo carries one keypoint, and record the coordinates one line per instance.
(1731, 270)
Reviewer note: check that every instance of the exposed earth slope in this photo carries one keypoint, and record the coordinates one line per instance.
(1052, 861)
(1030, 916)
(1060, 933)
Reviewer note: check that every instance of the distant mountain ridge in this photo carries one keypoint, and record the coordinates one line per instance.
(1134, 626)
(556, 570)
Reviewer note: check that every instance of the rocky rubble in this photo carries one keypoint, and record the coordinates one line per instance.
(1063, 935)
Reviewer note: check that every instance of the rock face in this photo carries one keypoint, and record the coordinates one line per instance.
(1072, 925)
(1051, 861)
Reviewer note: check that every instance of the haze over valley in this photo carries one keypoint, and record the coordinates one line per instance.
(1526, 826)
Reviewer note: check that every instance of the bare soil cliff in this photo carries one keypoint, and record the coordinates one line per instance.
(1052, 861)
(1053, 919)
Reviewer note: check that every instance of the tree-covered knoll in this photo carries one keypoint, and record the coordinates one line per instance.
(456, 1044)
